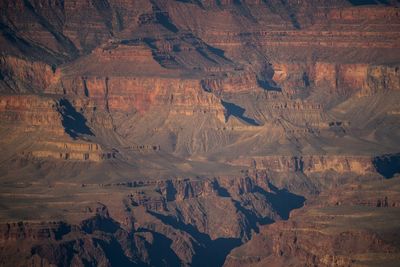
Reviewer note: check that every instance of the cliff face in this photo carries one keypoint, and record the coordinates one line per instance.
(170, 132)
(286, 242)
(29, 110)
(126, 94)
(312, 164)
(173, 221)
(22, 76)
(181, 221)
(52, 123)
(333, 233)
(337, 79)
(361, 78)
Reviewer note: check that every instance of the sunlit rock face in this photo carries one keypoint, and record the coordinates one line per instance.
(199, 133)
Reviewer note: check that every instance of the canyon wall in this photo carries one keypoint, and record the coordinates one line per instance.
(185, 133)
(311, 164)
(341, 79)
(24, 76)
(125, 94)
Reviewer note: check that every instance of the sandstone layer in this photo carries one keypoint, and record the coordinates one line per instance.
(185, 133)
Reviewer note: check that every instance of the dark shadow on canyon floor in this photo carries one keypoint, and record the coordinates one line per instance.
(387, 165)
(208, 252)
(282, 201)
(160, 252)
(368, 2)
(253, 220)
(73, 122)
(237, 111)
(165, 21)
(268, 86)
(99, 223)
(114, 252)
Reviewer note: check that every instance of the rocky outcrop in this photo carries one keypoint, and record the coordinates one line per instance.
(361, 78)
(337, 79)
(47, 115)
(29, 231)
(349, 14)
(50, 244)
(67, 28)
(30, 111)
(281, 243)
(340, 232)
(311, 164)
(244, 82)
(197, 124)
(185, 216)
(70, 151)
(382, 79)
(23, 76)
(126, 94)
(200, 204)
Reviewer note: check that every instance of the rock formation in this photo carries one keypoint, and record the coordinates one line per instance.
(185, 133)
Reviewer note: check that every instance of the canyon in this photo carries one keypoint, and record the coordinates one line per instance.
(199, 133)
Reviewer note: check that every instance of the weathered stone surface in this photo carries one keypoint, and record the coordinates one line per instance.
(168, 133)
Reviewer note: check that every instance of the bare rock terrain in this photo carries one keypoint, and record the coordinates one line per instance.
(199, 133)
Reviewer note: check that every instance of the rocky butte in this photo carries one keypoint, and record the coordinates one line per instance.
(199, 133)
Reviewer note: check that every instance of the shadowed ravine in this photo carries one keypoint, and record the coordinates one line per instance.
(208, 252)
(213, 252)
(237, 111)
(74, 122)
(388, 165)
